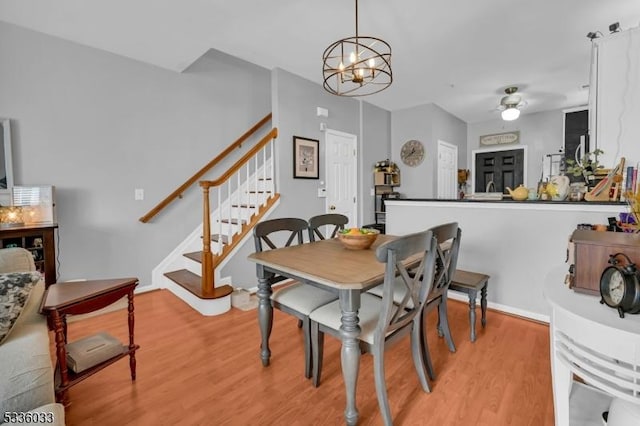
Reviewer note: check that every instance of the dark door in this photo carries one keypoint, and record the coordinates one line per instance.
(503, 168)
(576, 125)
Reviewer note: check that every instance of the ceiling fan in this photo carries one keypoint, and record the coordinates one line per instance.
(511, 104)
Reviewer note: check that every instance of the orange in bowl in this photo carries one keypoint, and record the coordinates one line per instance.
(358, 238)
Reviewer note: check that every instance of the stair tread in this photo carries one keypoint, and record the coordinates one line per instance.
(193, 283)
(244, 206)
(196, 256)
(259, 192)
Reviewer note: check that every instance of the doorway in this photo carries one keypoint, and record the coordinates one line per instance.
(576, 137)
(341, 174)
(447, 171)
(504, 167)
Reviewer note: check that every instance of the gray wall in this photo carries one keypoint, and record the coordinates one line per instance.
(449, 128)
(541, 132)
(376, 146)
(97, 125)
(427, 123)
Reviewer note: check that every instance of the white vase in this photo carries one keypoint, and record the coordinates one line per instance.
(561, 184)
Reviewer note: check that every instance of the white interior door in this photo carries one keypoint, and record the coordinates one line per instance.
(341, 175)
(447, 171)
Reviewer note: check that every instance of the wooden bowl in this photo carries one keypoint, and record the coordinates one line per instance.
(359, 241)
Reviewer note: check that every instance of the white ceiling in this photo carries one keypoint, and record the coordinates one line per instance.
(459, 54)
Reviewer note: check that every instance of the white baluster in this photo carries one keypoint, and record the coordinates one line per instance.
(264, 174)
(229, 218)
(247, 182)
(237, 192)
(219, 210)
(255, 179)
(272, 165)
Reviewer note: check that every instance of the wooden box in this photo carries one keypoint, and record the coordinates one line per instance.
(591, 255)
(386, 178)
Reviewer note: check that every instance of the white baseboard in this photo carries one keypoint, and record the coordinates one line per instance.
(145, 289)
(456, 295)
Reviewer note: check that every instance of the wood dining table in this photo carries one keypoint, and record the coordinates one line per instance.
(326, 264)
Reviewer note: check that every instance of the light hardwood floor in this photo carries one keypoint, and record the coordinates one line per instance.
(195, 370)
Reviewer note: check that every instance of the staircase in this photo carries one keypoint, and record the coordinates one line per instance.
(232, 205)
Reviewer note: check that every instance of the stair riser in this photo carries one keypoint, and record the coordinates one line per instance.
(262, 186)
(226, 228)
(193, 266)
(239, 213)
(251, 199)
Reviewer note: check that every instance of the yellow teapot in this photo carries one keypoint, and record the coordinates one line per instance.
(519, 194)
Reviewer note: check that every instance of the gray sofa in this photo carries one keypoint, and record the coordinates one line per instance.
(26, 372)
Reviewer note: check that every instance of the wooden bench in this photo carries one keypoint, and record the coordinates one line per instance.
(471, 283)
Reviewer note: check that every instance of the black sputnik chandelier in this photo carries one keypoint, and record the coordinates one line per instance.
(357, 66)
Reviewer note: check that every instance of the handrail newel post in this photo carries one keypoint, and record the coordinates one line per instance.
(207, 257)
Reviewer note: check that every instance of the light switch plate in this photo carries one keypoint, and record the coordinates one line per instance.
(138, 194)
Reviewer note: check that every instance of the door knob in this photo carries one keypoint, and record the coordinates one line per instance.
(332, 207)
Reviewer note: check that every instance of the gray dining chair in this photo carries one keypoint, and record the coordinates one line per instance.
(447, 237)
(338, 221)
(382, 321)
(295, 299)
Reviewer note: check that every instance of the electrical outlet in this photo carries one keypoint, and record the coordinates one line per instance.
(138, 194)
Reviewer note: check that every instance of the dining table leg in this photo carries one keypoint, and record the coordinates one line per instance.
(265, 314)
(350, 354)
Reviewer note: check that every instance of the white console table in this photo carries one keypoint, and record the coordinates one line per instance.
(589, 340)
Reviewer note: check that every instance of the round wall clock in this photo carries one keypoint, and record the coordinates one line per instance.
(620, 286)
(412, 153)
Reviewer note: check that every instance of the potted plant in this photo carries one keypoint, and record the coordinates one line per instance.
(586, 167)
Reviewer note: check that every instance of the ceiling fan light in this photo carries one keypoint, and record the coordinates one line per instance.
(510, 114)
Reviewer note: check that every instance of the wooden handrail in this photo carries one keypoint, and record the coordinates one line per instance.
(193, 179)
(246, 157)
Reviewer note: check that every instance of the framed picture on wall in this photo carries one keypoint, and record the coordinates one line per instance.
(306, 158)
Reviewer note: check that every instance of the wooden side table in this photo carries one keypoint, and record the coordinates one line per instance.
(75, 298)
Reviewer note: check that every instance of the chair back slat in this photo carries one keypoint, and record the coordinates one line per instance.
(316, 222)
(263, 232)
(397, 254)
(448, 238)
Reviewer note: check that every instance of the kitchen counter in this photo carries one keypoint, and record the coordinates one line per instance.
(515, 242)
(526, 204)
